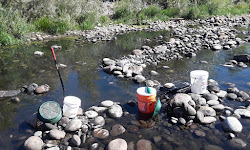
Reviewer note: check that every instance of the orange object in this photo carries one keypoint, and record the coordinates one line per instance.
(146, 101)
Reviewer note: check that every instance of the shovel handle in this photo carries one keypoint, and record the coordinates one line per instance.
(53, 52)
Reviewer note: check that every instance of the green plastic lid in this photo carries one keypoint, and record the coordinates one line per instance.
(50, 111)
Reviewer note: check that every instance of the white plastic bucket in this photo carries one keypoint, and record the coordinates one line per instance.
(71, 105)
(199, 81)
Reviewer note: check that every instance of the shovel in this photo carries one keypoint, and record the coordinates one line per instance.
(54, 55)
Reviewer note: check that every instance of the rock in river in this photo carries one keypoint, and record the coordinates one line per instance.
(75, 140)
(118, 143)
(57, 134)
(99, 121)
(33, 143)
(42, 89)
(232, 124)
(107, 103)
(117, 130)
(91, 114)
(100, 133)
(73, 125)
(144, 145)
(115, 111)
(139, 78)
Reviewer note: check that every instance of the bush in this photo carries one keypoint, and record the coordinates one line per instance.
(104, 20)
(12, 26)
(88, 21)
(51, 25)
(6, 39)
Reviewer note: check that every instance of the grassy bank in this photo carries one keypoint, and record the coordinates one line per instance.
(59, 16)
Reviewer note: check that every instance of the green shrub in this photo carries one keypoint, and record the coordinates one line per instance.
(52, 26)
(87, 21)
(104, 20)
(6, 39)
(12, 26)
(152, 11)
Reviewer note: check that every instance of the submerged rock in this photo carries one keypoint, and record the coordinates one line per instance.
(101, 133)
(33, 143)
(144, 145)
(42, 89)
(117, 130)
(118, 143)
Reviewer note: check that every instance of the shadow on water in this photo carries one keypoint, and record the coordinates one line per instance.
(84, 78)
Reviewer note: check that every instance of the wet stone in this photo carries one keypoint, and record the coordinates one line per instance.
(115, 111)
(213, 88)
(73, 125)
(157, 139)
(117, 130)
(33, 143)
(99, 110)
(57, 134)
(132, 128)
(200, 133)
(213, 102)
(144, 145)
(231, 96)
(38, 134)
(212, 147)
(91, 114)
(218, 107)
(182, 121)
(131, 146)
(209, 97)
(221, 94)
(166, 146)
(107, 103)
(99, 121)
(100, 133)
(243, 112)
(50, 126)
(232, 124)
(42, 89)
(237, 143)
(75, 140)
(63, 121)
(116, 144)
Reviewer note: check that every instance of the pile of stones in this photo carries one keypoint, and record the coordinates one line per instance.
(35, 89)
(240, 60)
(82, 131)
(185, 109)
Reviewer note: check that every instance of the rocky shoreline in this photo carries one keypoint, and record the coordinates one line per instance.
(217, 33)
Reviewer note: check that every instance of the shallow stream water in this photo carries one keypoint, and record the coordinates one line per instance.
(84, 78)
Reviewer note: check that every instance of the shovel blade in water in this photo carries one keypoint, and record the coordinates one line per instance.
(157, 107)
